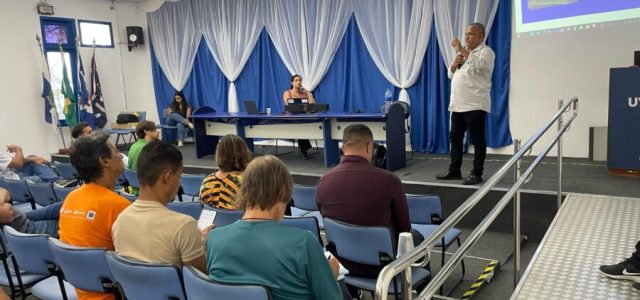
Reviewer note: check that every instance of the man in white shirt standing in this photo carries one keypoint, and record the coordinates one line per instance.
(470, 74)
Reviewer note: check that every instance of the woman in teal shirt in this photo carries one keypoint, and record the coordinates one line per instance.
(259, 250)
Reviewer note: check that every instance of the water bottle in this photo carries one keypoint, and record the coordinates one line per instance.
(388, 95)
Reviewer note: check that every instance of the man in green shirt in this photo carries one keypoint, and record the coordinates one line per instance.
(146, 132)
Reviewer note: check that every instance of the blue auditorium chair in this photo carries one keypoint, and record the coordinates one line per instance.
(132, 178)
(225, 217)
(424, 211)
(141, 280)
(367, 245)
(33, 255)
(304, 201)
(42, 193)
(84, 267)
(20, 195)
(192, 209)
(199, 286)
(190, 184)
(63, 192)
(305, 223)
(66, 170)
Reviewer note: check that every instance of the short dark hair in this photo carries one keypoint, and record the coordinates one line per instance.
(86, 153)
(232, 154)
(144, 125)
(480, 28)
(356, 135)
(77, 130)
(265, 183)
(154, 159)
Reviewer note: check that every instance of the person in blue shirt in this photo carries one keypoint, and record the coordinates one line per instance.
(259, 250)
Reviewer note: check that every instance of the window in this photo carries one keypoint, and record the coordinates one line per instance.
(91, 31)
(60, 34)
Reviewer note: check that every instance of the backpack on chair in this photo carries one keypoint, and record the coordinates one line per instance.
(379, 158)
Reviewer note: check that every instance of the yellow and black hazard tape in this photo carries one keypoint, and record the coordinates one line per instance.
(486, 276)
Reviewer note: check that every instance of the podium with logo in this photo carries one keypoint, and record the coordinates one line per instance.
(623, 149)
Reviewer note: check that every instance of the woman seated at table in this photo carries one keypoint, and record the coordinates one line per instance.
(220, 188)
(259, 250)
(298, 92)
(178, 114)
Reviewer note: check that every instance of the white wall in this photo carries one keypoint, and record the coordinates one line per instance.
(563, 65)
(21, 64)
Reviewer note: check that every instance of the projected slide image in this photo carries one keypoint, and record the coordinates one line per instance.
(543, 10)
(533, 4)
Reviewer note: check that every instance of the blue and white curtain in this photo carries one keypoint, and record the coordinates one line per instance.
(348, 53)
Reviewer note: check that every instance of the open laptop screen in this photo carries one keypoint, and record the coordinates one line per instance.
(297, 101)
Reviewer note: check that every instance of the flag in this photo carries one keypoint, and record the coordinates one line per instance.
(70, 104)
(99, 113)
(86, 109)
(50, 112)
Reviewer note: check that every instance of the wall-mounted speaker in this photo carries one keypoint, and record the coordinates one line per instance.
(134, 36)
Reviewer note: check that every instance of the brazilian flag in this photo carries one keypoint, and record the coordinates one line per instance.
(70, 103)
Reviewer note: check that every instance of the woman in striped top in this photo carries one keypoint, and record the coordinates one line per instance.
(220, 188)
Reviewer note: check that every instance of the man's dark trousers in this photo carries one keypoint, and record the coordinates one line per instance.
(474, 121)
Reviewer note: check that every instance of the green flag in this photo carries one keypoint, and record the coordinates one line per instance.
(70, 103)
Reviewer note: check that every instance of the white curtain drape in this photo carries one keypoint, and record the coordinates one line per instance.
(396, 34)
(231, 29)
(307, 33)
(453, 16)
(175, 39)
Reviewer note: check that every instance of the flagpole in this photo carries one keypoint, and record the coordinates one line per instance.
(50, 96)
(64, 70)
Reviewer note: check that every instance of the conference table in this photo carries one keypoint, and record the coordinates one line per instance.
(387, 127)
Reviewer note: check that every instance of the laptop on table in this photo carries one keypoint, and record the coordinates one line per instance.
(252, 109)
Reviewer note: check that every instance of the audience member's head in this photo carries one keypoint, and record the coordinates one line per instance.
(358, 140)
(232, 154)
(267, 186)
(147, 130)
(159, 167)
(95, 158)
(179, 97)
(82, 129)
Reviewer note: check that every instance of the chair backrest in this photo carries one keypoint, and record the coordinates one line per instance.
(225, 217)
(31, 251)
(367, 245)
(192, 209)
(132, 177)
(18, 190)
(424, 208)
(304, 223)
(85, 268)
(304, 197)
(191, 183)
(63, 192)
(66, 170)
(141, 280)
(199, 286)
(42, 193)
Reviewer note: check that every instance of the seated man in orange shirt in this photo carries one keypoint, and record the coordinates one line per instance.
(88, 212)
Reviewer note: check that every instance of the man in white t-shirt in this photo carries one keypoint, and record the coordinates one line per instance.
(470, 74)
(33, 168)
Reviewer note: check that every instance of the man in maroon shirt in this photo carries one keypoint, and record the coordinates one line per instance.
(358, 193)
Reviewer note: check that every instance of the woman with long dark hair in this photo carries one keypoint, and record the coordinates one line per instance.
(178, 114)
(298, 92)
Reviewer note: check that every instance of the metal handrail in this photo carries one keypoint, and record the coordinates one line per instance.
(419, 252)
